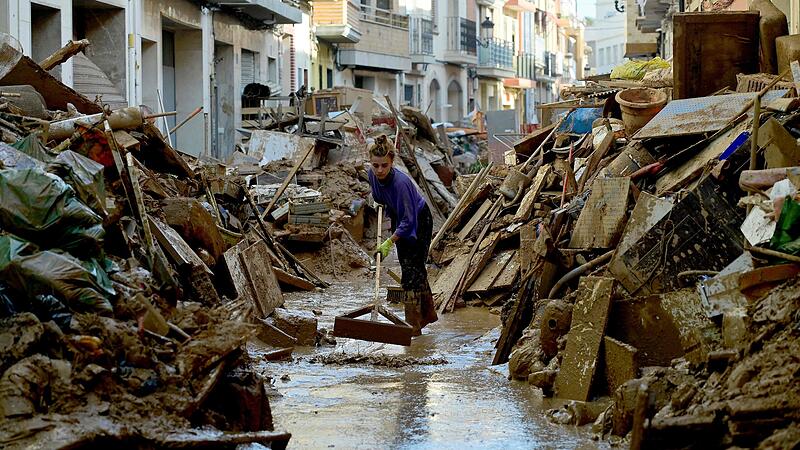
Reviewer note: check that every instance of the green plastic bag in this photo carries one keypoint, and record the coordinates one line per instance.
(786, 238)
(84, 176)
(636, 70)
(43, 209)
(33, 147)
(83, 285)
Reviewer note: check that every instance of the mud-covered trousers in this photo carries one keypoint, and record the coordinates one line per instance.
(412, 254)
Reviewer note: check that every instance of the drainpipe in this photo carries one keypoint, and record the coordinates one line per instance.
(133, 76)
(207, 26)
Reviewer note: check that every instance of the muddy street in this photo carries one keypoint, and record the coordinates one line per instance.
(446, 397)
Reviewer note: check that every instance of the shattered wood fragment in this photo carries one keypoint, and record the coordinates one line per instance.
(179, 251)
(489, 274)
(527, 239)
(471, 271)
(589, 319)
(603, 217)
(211, 346)
(257, 267)
(479, 260)
(527, 205)
(17, 69)
(236, 269)
(477, 217)
(213, 439)
(291, 280)
(508, 275)
(448, 279)
(519, 319)
(594, 159)
(70, 49)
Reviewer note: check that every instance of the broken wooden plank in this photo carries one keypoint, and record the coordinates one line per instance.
(291, 280)
(477, 217)
(603, 217)
(214, 439)
(487, 276)
(235, 267)
(257, 267)
(473, 269)
(519, 319)
(526, 206)
(448, 278)
(527, 240)
(482, 255)
(70, 49)
(589, 320)
(597, 155)
(508, 275)
(179, 251)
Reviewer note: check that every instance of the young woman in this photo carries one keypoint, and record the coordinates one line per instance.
(412, 226)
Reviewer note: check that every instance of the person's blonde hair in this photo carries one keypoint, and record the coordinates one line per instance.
(382, 147)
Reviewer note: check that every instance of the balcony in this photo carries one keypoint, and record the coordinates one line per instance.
(496, 59)
(461, 41)
(382, 46)
(524, 71)
(337, 21)
(421, 39)
(267, 10)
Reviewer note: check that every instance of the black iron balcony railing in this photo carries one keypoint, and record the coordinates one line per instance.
(461, 34)
(525, 66)
(421, 35)
(496, 53)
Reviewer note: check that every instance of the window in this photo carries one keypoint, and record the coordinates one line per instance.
(272, 70)
(601, 57)
(329, 77)
(408, 94)
(320, 79)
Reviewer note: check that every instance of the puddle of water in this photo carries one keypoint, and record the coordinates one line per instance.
(464, 403)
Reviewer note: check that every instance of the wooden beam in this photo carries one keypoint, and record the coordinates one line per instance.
(70, 49)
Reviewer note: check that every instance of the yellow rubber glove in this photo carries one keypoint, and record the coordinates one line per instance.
(385, 248)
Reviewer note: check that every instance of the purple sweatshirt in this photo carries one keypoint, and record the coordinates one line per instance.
(399, 195)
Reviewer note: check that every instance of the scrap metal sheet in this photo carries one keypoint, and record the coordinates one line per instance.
(701, 114)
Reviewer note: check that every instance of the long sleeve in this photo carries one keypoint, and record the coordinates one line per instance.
(408, 223)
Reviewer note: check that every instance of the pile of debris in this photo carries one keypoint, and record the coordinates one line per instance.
(647, 241)
(132, 276)
(307, 172)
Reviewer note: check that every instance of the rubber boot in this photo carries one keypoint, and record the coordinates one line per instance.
(413, 312)
(428, 310)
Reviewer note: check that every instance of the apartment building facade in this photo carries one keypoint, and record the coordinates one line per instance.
(446, 57)
(170, 55)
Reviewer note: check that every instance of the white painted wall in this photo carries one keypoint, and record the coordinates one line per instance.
(607, 37)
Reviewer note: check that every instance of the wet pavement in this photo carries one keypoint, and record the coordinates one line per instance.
(464, 403)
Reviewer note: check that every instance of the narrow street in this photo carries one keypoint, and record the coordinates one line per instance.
(462, 403)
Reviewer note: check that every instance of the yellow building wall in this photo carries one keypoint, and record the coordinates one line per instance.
(321, 58)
